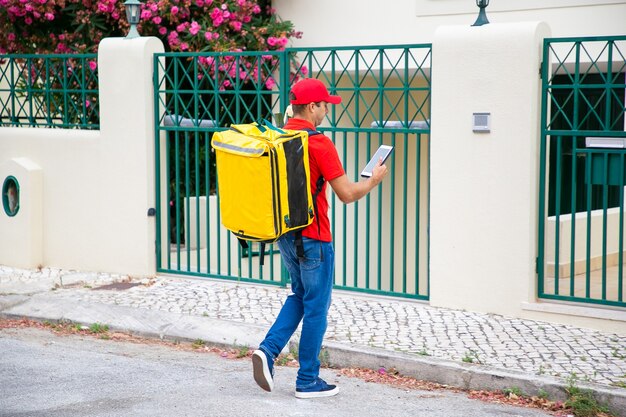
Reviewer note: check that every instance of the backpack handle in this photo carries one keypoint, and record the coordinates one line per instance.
(271, 126)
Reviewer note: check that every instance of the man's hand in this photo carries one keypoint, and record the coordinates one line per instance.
(349, 191)
(379, 172)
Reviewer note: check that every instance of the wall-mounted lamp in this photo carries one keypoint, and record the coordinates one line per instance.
(133, 12)
(482, 15)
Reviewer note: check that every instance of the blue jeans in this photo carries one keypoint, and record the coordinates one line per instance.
(311, 286)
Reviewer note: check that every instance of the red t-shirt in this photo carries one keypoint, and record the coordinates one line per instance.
(324, 161)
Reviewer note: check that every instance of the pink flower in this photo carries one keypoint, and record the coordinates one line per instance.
(184, 46)
(304, 70)
(93, 65)
(61, 47)
(270, 83)
(174, 10)
(11, 36)
(272, 41)
(224, 6)
(162, 30)
(195, 28)
(206, 61)
(156, 20)
(28, 20)
(256, 9)
(87, 103)
(236, 26)
(181, 28)
(199, 3)
(115, 15)
(241, 2)
(146, 14)
(216, 15)
(208, 36)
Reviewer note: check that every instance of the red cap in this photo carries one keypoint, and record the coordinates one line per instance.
(312, 90)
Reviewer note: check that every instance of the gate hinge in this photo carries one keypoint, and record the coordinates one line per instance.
(536, 265)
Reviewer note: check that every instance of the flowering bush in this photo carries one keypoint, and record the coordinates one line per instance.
(75, 26)
(58, 26)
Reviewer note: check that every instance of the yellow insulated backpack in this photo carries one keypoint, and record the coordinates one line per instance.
(263, 181)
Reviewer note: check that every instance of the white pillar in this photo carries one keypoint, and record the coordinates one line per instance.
(484, 186)
(127, 136)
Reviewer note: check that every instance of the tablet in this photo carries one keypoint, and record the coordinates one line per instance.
(383, 152)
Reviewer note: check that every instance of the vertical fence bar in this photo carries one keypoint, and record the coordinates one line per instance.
(392, 217)
(355, 261)
(588, 172)
(379, 269)
(157, 158)
(368, 227)
(605, 219)
(418, 165)
(176, 165)
(573, 187)
(620, 256)
(168, 166)
(48, 93)
(344, 216)
(557, 234)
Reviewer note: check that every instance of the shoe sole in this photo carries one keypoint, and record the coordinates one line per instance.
(317, 394)
(261, 371)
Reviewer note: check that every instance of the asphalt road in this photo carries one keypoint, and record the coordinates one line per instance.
(42, 374)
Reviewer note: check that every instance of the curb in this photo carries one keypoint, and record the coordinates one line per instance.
(467, 376)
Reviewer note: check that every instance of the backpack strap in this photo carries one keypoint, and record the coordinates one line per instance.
(244, 245)
(319, 184)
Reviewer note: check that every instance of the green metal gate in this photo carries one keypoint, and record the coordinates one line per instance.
(381, 242)
(583, 171)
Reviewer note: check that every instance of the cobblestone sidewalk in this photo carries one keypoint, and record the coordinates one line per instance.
(535, 348)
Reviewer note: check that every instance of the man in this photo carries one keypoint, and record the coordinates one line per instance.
(311, 276)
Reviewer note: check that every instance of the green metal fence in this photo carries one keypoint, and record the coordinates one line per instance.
(381, 242)
(49, 91)
(583, 171)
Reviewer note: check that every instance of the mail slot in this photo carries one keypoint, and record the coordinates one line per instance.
(607, 162)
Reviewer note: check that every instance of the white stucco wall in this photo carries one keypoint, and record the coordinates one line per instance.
(97, 185)
(370, 22)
